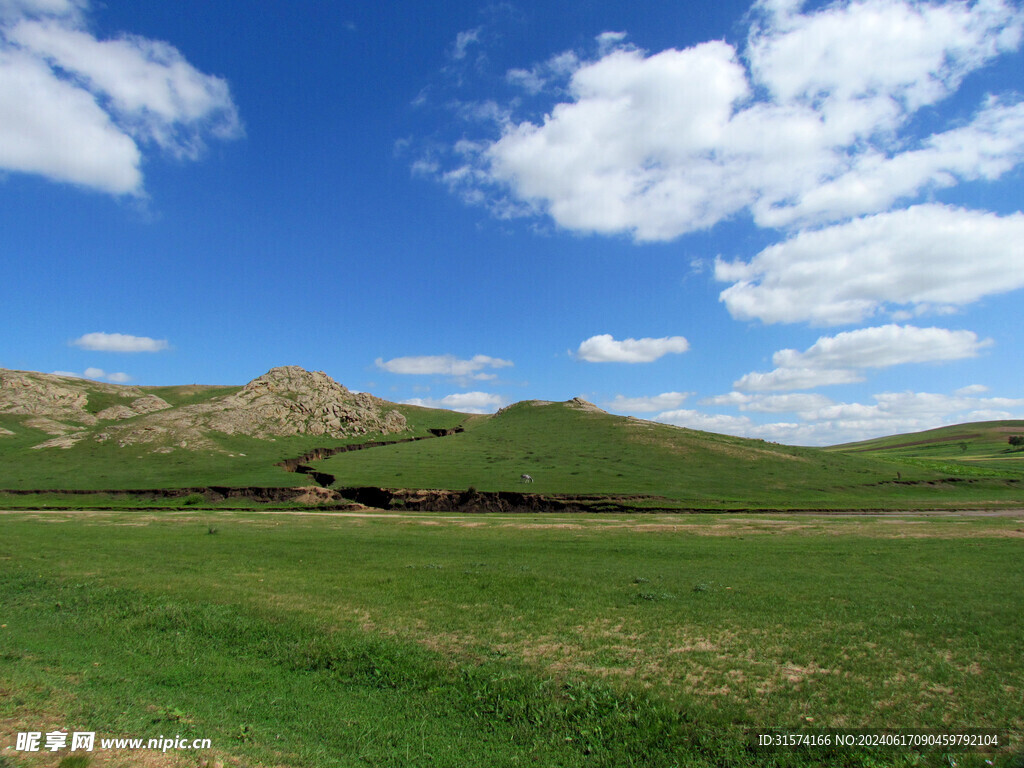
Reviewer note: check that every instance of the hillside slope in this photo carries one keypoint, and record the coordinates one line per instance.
(61, 433)
(64, 433)
(575, 448)
(974, 441)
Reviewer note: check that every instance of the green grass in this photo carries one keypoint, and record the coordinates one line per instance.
(190, 394)
(101, 399)
(569, 451)
(240, 461)
(429, 640)
(975, 442)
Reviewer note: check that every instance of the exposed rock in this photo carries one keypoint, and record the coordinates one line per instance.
(579, 404)
(139, 406)
(116, 413)
(50, 426)
(5, 432)
(284, 401)
(43, 394)
(64, 441)
(149, 404)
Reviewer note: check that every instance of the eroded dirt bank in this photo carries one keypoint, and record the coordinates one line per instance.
(410, 500)
(386, 500)
(471, 500)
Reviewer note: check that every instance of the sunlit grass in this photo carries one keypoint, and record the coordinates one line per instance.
(454, 640)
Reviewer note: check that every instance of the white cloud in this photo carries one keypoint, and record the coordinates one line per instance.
(884, 346)
(727, 425)
(464, 402)
(796, 378)
(972, 389)
(821, 421)
(788, 403)
(605, 349)
(119, 342)
(664, 401)
(987, 148)
(915, 53)
(99, 373)
(463, 40)
(812, 122)
(924, 257)
(543, 75)
(443, 365)
(837, 359)
(625, 154)
(77, 109)
(56, 129)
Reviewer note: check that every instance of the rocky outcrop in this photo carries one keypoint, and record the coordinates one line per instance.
(45, 395)
(579, 404)
(291, 400)
(284, 401)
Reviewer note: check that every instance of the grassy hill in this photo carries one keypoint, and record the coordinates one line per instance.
(572, 448)
(978, 441)
(39, 408)
(975, 450)
(237, 460)
(96, 442)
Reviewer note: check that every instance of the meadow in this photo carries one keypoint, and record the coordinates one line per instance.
(570, 450)
(406, 640)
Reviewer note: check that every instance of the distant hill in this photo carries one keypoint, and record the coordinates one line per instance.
(573, 447)
(61, 433)
(979, 441)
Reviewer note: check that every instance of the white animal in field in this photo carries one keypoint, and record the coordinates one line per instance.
(525, 479)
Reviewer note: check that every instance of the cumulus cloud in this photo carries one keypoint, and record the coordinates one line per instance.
(605, 349)
(80, 109)
(796, 378)
(707, 422)
(811, 122)
(884, 346)
(119, 342)
(838, 359)
(821, 421)
(464, 402)
(925, 257)
(664, 401)
(788, 403)
(99, 373)
(443, 365)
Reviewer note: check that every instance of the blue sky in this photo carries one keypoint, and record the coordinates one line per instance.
(794, 221)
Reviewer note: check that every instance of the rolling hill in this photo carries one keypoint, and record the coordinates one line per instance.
(63, 434)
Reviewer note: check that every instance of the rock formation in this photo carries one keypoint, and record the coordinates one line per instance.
(284, 401)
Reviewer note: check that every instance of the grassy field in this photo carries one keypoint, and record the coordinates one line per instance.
(568, 450)
(241, 460)
(408, 640)
(979, 450)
